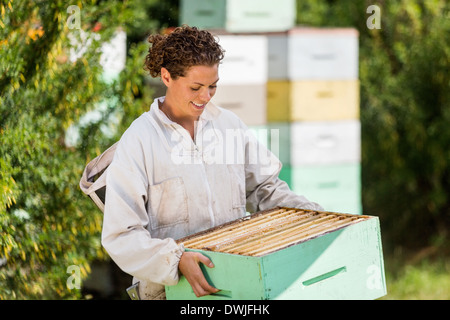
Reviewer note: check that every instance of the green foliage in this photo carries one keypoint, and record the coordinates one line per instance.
(404, 112)
(46, 223)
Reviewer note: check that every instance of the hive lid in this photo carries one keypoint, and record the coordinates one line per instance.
(323, 31)
(268, 231)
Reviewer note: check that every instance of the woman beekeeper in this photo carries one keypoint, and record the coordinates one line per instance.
(184, 166)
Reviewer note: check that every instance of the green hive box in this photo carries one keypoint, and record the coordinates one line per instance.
(338, 258)
(260, 15)
(204, 14)
(336, 187)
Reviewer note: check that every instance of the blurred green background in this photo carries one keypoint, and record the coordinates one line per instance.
(48, 225)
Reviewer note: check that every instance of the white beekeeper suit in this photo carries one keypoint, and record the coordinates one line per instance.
(163, 186)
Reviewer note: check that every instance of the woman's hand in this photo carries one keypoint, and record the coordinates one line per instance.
(189, 266)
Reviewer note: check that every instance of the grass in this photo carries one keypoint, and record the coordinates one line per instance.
(424, 275)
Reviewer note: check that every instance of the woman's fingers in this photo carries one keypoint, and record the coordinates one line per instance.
(190, 268)
(205, 260)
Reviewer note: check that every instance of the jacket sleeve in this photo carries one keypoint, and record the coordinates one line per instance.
(264, 190)
(124, 235)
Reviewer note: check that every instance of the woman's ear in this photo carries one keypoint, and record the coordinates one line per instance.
(165, 76)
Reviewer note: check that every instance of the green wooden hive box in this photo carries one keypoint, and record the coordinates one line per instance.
(204, 14)
(287, 253)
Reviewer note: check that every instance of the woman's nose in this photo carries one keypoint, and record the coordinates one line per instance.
(206, 95)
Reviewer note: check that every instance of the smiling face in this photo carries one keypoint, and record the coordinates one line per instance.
(187, 96)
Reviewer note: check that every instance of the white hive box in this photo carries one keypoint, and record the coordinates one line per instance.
(245, 60)
(323, 54)
(247, 101)
(332, 142)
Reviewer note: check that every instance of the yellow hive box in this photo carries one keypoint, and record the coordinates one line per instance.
(324, 100)
(278, 101)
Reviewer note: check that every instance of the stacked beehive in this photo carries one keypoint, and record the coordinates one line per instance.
(297, 86)
(325, 128)
(240, 27)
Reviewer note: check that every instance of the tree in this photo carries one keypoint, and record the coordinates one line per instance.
(406, 110)
(49, 231)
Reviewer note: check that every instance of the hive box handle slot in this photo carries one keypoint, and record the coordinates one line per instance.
(205, 13)
(223, 294)
(324, 276)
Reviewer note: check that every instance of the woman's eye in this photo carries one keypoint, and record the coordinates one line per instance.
(195, 89)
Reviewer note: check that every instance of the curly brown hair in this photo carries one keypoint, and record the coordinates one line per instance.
(181, 49)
